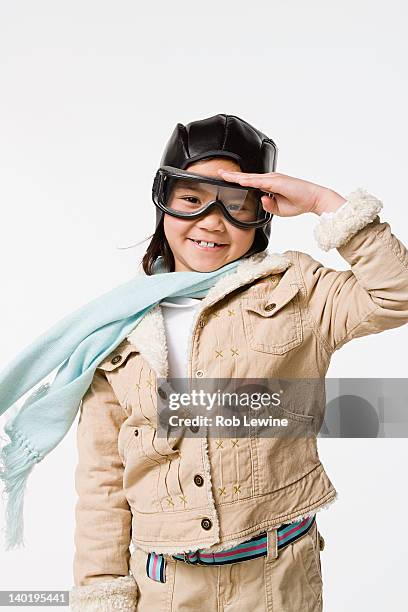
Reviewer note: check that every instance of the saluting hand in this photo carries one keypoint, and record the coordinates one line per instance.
(292, 196)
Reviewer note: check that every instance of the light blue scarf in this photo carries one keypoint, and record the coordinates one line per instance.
(80, 341)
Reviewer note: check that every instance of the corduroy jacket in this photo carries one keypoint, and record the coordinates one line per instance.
(276, 316)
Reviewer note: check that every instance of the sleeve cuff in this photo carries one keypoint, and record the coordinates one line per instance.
(104, 596)
(336, 228)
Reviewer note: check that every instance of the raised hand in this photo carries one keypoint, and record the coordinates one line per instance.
(291, 196)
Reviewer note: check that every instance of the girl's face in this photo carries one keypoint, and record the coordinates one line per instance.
(212, 227)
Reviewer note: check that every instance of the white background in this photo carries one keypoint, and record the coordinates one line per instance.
(90, 93)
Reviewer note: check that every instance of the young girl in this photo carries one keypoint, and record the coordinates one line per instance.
(189, 522)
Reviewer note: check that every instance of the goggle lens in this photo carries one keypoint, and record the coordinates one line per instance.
(187, 196)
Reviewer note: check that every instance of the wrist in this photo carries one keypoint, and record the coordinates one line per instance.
(334, 230)
(330, 201)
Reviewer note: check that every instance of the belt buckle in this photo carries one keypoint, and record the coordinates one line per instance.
(186, 559)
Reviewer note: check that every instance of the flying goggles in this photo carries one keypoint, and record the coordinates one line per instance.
(187, 195)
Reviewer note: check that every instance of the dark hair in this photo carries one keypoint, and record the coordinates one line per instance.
(158, 247)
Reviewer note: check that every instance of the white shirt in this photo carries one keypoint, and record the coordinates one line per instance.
(178, 314)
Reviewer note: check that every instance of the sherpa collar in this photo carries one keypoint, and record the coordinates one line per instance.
(149, 336)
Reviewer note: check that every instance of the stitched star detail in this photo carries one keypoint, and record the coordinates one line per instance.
(183, 499)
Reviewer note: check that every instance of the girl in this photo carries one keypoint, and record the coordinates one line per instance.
(191, 522)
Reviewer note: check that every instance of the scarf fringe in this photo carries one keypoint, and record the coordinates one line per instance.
(17, 459)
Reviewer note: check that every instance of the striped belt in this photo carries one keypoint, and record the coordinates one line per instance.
(255, 547)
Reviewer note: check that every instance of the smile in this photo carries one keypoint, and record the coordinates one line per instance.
(207, 246)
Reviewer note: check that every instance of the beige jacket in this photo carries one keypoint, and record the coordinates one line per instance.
(275, 316)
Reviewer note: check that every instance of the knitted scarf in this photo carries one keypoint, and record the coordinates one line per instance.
(76, 344)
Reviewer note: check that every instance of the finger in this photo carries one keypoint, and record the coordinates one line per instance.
(261, 181)
(243, 177)
(233, 173)
(270, 204)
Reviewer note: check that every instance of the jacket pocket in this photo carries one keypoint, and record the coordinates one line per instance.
(310, 555)
(273, 323)
(143, 443)
(125, 438)
(301, 398)
(314, 544)
(118, 371)
(117, 358)
(295, 416)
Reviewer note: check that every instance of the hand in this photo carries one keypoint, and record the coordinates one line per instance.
(292, 196)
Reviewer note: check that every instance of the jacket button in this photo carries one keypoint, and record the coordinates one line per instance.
(270, 306)
(199, 373)
(194, 428)
(136, 432)
(206, 524)
(199, 480)
(162, 393)
(116, 359)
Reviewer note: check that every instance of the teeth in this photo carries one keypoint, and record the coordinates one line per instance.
(209, 244)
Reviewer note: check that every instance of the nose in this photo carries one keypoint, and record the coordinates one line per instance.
(213, 220)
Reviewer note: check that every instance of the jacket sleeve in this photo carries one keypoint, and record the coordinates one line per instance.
(103, 516)
(370, 297)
